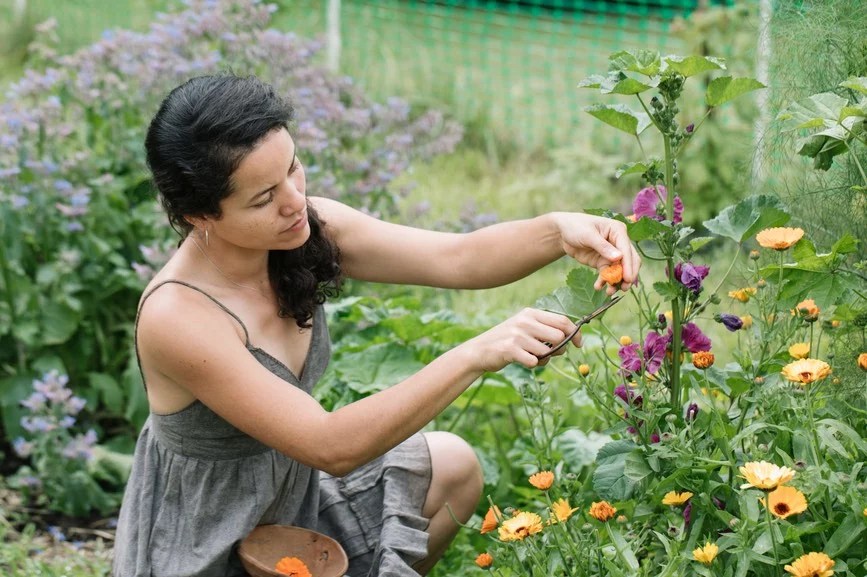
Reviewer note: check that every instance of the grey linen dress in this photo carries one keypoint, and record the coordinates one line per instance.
(199, 485)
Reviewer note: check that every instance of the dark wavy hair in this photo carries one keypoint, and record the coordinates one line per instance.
(203, 130)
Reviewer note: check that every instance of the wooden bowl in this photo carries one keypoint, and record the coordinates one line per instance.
(267, 544)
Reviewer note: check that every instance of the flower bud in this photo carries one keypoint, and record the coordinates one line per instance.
(621, 519)
(625, 340)
(584, 370)
(799, 465)
(762, 283)
(763, 448)
(671, 418)
(690, 128)
(754, 255)
(666, 437)
(734, 522)
(759, 380)
(586, 527)
(714, 298)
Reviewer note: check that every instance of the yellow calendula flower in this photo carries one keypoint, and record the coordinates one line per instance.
(602, 511)
(799, 350)
(806, 371)
(784, 501)
(675, 498)
(561, 510)
(747, 320)
(812, 565)
(521, 526)
(742, 294)
(706, 554)
(765, 476)
(779, 238)
(542, 480)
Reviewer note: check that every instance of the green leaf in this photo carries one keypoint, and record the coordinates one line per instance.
(748, 217)
(623, 549)
(634, 168)
(620, 117)
(858, 83)
(645, 62)
(812, 112)
(577, 298)
(721, 90)
(377, 367)
(628, 86)
(846, 431)
(666, 290)
(847, 244)
(610, 480)
(846, 534)
(699, 242)
(825, 287)
(110, 392)
(592, 81)
(645, 228)
(691, 65)
(59, 322)
(580, 449)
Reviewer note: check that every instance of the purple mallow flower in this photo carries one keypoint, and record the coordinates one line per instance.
(630, 362)
(650, 202)
(628, 395)
(690, 275)
(731, 322)
(655, 346)
(693, 339)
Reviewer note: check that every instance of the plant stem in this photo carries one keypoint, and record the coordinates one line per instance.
(466, 407)
(771, 532)
(675, 302)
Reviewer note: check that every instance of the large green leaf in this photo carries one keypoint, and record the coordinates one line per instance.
(645, 62)
(579, 448)
(620, 117)
(59, 322)
(858, 83)
(629, 86)
(635, 167)
(846, 534)
(721, 90)
(825, 287)
(812, 112)
(610, 480)
(577, 298)
(692, 65)
(644, 228)
(377, 367)
(749, 216)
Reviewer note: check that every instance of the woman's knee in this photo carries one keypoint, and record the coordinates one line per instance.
(457, 474)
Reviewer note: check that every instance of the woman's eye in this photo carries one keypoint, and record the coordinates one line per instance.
(266, 201)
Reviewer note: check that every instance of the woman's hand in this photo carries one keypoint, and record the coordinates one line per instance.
(520, 339)
(599, 242)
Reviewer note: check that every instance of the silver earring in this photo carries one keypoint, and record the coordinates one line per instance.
(207, 242)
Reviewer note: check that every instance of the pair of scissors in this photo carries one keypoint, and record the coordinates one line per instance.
(581, 322)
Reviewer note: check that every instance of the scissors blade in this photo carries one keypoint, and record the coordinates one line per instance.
(583, 321)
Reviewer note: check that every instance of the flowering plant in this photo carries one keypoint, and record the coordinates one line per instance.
(739, 462)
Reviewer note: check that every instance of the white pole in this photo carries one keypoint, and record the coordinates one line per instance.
(19, 9)
(763, 57)
(333, 22)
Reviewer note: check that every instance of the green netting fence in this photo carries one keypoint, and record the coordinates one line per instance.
(510, 66)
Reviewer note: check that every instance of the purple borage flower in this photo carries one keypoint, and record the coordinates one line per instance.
(731, 322)
(690, 275)
(650, 202)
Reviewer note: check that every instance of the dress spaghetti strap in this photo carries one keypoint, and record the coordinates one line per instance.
(195, 288)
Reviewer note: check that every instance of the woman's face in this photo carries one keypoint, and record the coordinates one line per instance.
(267, 208)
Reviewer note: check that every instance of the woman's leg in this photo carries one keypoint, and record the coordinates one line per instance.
(456, 481)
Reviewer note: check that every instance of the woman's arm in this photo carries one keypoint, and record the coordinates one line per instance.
(181, 335)
(378, 251)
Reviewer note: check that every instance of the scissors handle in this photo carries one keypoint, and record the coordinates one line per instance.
(583, 321)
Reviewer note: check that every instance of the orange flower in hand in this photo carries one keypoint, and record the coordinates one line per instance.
(612, 274)
(292, 566)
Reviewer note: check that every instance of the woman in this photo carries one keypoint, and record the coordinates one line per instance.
(231, 338)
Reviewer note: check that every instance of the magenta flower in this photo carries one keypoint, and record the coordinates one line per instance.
(650, 202)
(690, 275)
(630, 361)
(693, 339)
(628, 396)
(691, 412)
(655, 346)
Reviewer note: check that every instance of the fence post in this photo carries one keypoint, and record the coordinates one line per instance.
(333, 23)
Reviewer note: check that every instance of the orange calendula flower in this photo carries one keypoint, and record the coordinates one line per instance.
(812, 565)
(862, 361)
(612, 274)
(542, 480)
(602, 511)
(491, 520)
(799, 351)
(521, 526)
(484, 560)
(561, 510)
(807, 308)
(785, 501)
(675, 498)
(292, 566)
(706, 554)
(779, 238)
(702, 359)
(743, 294)
(806, 371)
(764, 475)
